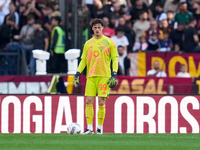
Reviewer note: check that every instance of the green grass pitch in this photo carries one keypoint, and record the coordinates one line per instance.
(100, 142)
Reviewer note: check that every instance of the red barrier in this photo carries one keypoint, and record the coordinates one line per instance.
(148, 85)
(124, 113)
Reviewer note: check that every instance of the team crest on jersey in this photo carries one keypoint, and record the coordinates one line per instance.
(103, 44)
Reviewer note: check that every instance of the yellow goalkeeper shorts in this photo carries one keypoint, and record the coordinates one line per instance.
(96, 85)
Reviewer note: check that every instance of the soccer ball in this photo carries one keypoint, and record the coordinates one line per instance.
(74, 128)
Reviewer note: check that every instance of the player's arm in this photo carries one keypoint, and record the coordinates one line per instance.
(114, 56)
(81, 67)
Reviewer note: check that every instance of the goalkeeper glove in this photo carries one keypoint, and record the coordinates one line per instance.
(76, 79)
(112, 82)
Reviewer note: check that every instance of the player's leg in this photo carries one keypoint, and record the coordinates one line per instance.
(101, 114)
(89, 113)
(90, 93)
(103, 93)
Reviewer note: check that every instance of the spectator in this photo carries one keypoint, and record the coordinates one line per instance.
(57, 47)
(7, 31)
(129, 33)
(120, 22)
(120, 38)
(183, 15)
(124, 6)
(115, 14)
(138, 7)
(177, 37)
(161, 15)
(183, 72)
(153, 28)
(141, 45)
(141, 25)
(13, 13)
(153, 42)
(31, 9)
(190, 36)
(24, 2)
(165, 45)
(56, 6)
(97, 11)
(48, 10)
(23, 19)
(165, 26)
(170, 20)
(124, 61)
(107, 31)
(27, 36)
(156, 71)
(198, 32)
(40, 42)
(89, 4)
(41, 5)
(196, 13)
(171, 5)
(4, 9)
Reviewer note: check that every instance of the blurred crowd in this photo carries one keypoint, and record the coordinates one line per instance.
(134, 25)
(153, 25)
(148, 25)
(29, 25)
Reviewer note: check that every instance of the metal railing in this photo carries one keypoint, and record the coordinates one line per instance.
(13, 63)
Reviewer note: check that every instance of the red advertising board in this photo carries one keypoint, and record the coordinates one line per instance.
(147, 85)
(126, 85)
(124, 113)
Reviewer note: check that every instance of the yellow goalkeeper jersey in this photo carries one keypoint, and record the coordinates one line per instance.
(97, 54)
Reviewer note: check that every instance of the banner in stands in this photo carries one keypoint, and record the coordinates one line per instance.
(170, 62)
(124, 113)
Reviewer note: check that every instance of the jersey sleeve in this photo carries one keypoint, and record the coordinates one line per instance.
(84, 52)
(114, 55)
(113, 49)
(82, 64)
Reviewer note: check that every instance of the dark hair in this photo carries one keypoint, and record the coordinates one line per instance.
(153, 34)
(141, 12)
(183, 3)
(120, 46)
(120, 29)
(50, 5)
(159, 4)
(129, 22)
(30, 16)
(97, 21)
(175, 1)
(40, 22)
(165, 31)
(12, 2)
(57, 19)
(191, 20)
(169, 11)
(181, 65)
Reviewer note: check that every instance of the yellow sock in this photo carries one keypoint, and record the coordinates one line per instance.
(89, 112)
(101, 114)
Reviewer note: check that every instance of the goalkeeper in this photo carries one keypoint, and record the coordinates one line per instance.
(97, 55)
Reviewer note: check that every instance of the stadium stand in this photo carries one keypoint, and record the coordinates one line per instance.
(165, 26)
